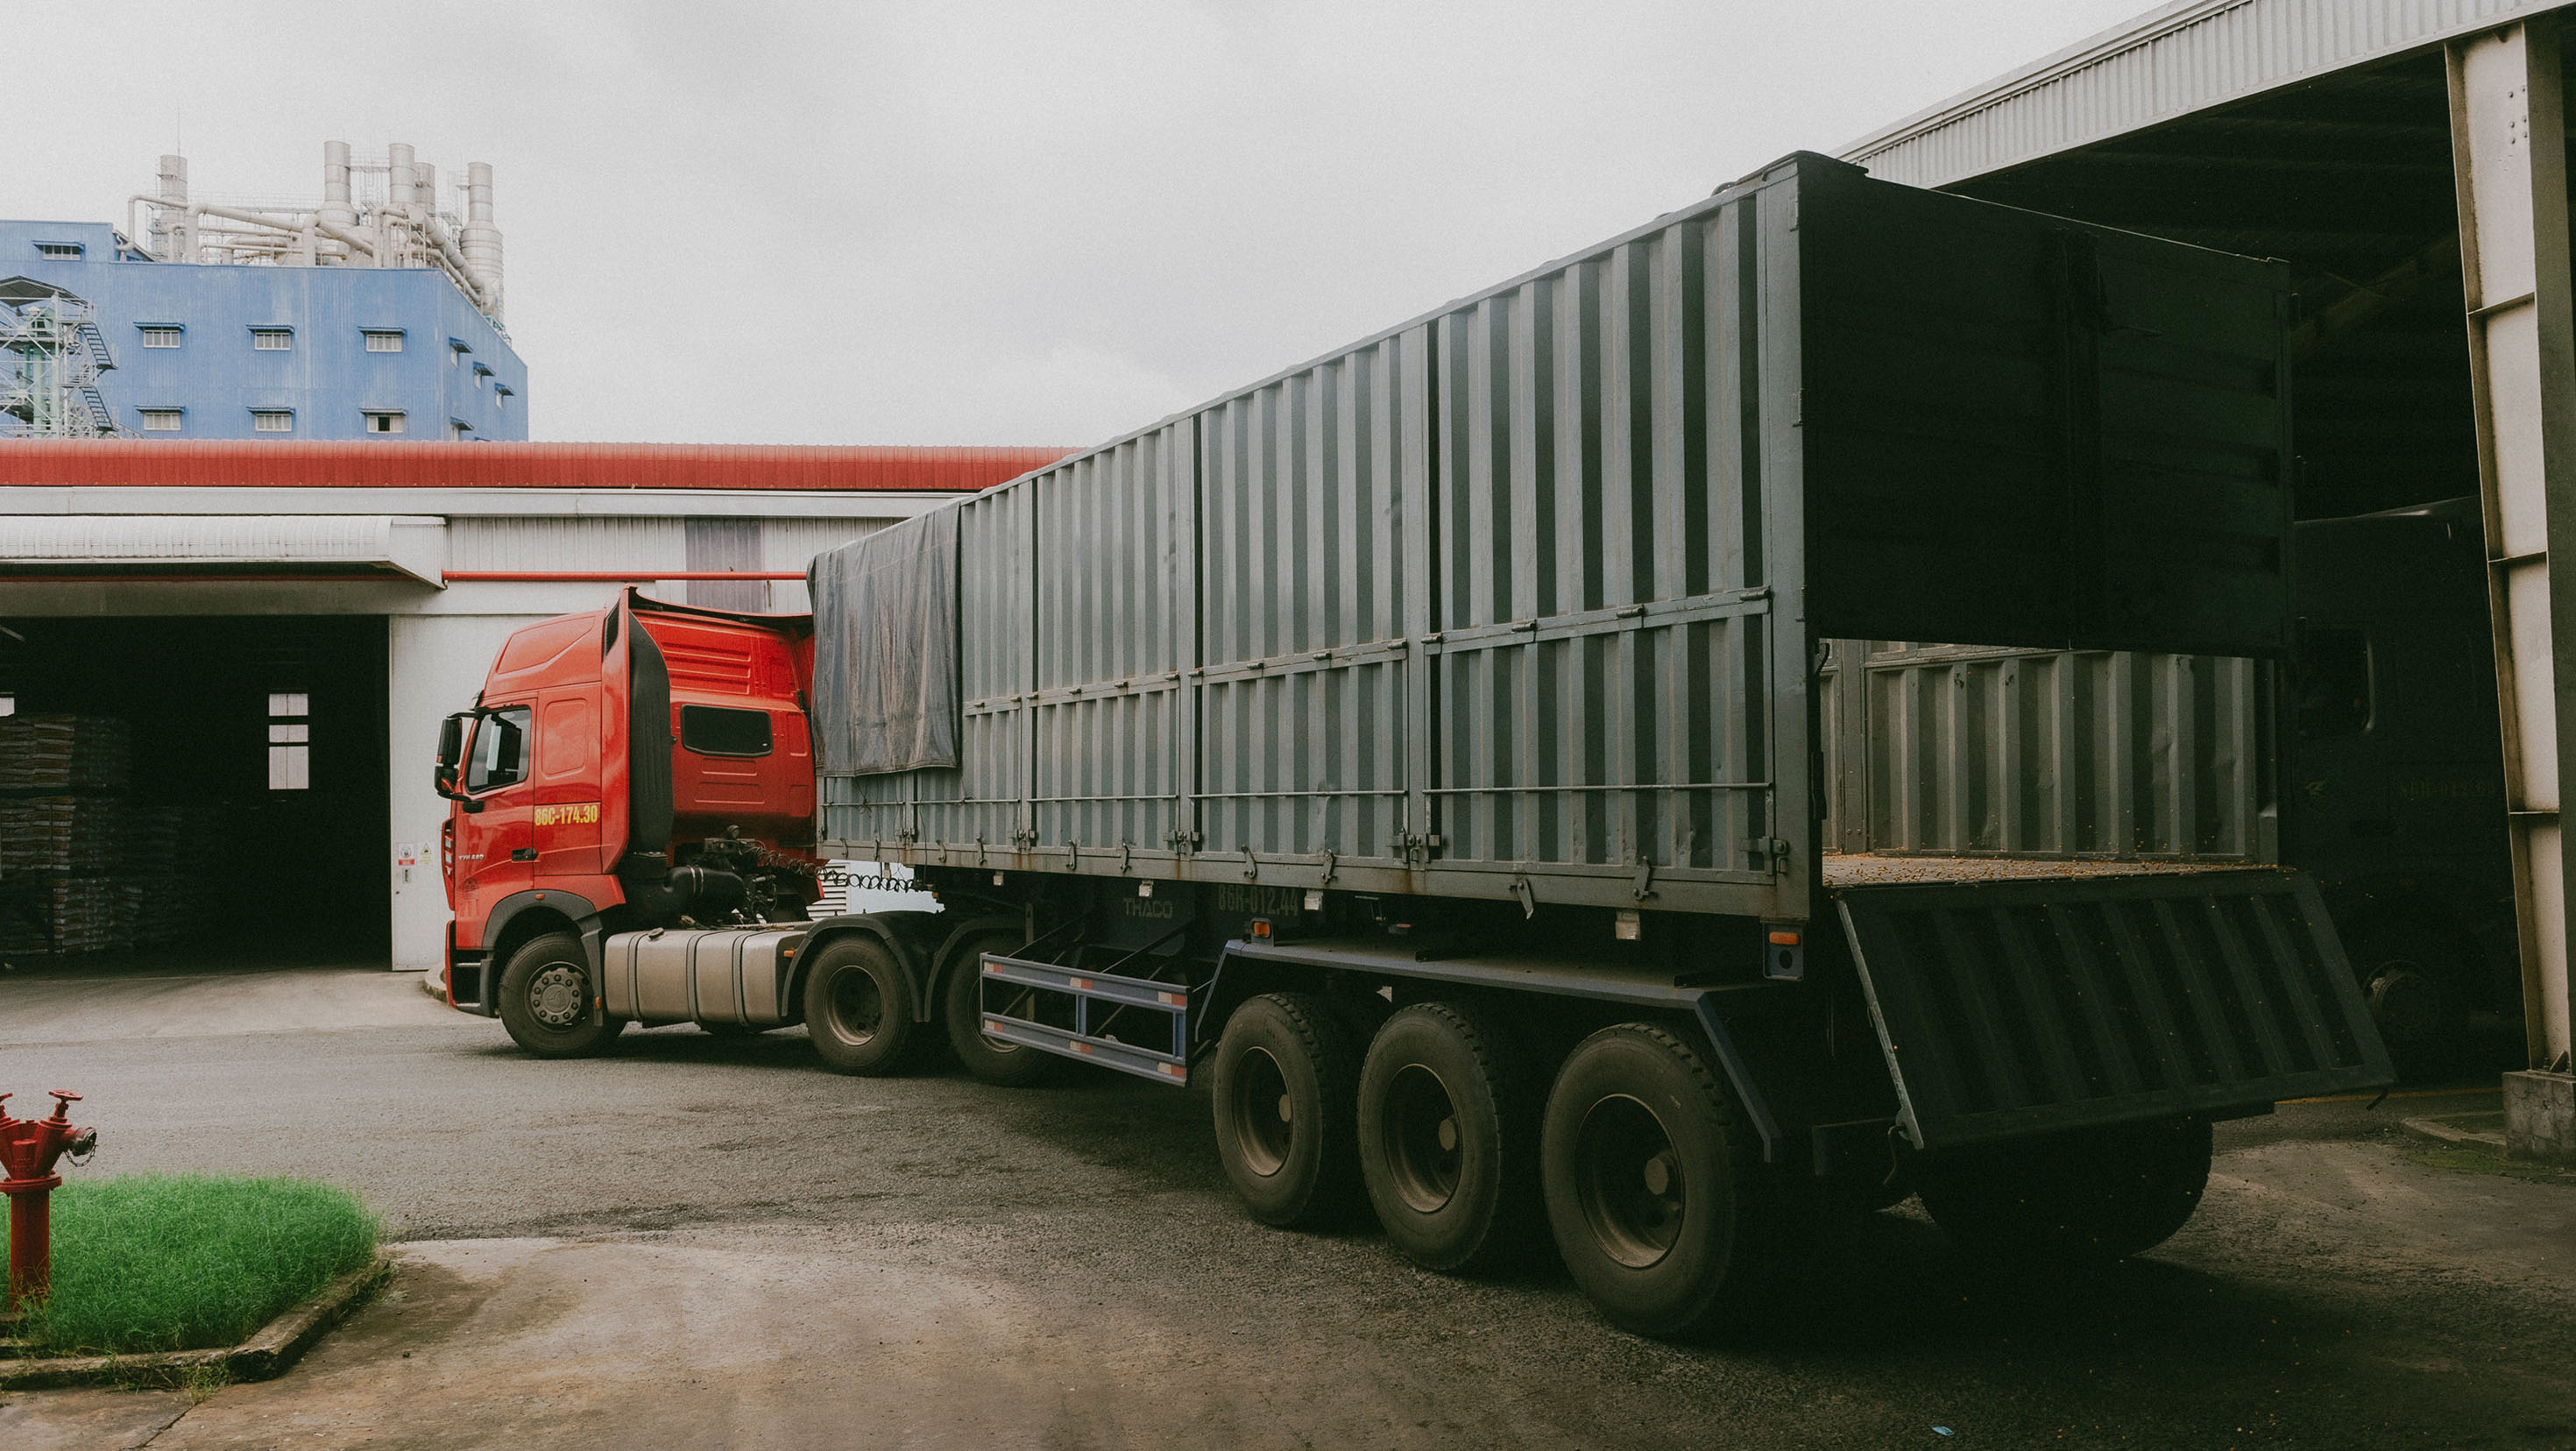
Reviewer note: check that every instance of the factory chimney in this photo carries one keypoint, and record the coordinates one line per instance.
(481, 241)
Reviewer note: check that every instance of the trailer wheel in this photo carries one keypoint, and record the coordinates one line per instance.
(1447, 1137)
(546, 995)
(2103, 1194)
(962, 1009)
(858, 1007)
(1284, 1083)
(1656, 1191)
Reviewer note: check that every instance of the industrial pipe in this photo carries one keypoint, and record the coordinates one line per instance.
(605, 576)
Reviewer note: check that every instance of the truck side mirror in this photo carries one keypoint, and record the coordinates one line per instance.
(451, 753)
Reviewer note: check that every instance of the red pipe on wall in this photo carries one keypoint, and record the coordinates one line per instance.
(609, 576)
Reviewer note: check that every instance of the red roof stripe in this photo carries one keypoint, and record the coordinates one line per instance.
(230, 463)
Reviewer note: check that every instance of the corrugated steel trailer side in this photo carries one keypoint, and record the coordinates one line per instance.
(1520, 600)
(1953, 750)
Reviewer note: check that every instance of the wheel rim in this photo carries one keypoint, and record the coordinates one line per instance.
(858, 1009)
(1629, 1181)
(557, 994)
(1262, 1115)
(1420, 1136)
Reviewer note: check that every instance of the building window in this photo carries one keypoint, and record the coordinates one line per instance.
(272, 420)
(163, 420)
(384, 340)
(162, 337)
(8, 705)
(62, 251)
(290, 741)
(384, 423)
(459, 429)
(456, 351)
(272, 339)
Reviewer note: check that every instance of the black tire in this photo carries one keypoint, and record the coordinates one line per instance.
(2100, 1195)
(547, 994)
(1656, 1190)
(1285, 1083)
(2418, 991)
(962, 1010)
(858, 1008)
(1448, 1137)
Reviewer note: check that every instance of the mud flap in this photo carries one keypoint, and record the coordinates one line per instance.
(2014, 1008)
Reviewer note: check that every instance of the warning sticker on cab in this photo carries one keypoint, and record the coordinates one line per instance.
(569, 813)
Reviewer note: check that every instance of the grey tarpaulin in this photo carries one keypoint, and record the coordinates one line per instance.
(885, 649)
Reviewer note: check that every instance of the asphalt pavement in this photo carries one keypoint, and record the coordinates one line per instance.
(712, 1242)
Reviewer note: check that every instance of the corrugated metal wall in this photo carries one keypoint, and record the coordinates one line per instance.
(1956, 751)
(2167, 66)
(1452, 610)
(1306, 698)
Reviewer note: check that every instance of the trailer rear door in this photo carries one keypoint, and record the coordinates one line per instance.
(2019, 1007)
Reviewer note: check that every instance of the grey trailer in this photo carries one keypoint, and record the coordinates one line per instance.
(1422, 749)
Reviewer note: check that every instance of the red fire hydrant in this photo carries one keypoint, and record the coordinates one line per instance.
(28, 1149)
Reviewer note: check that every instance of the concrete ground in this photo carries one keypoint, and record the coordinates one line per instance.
(701, 1242)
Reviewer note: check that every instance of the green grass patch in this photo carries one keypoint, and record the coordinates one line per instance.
(148, 1262)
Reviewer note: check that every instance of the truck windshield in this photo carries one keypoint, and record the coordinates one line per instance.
(500, 750)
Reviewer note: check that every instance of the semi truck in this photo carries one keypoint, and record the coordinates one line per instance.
(1422, 751)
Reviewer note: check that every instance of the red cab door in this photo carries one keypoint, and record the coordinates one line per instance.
(565, 810)
(496, 850)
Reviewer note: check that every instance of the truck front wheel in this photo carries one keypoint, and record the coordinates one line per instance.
(1447, 1136)
(858, 1008)
(546, 997)
(2102, 1194)
(1656, 1191)
(1283, 1079)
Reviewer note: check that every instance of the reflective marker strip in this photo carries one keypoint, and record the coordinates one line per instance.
(1172, 999)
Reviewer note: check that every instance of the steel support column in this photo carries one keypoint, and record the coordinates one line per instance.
(2508, 140)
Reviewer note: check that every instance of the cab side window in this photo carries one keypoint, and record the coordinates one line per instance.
(500, 752)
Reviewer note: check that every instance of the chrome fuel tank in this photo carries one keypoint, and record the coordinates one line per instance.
(701, 975)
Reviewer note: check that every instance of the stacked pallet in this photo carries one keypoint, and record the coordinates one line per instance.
(77, 835)
(63, 835)
(64, 753)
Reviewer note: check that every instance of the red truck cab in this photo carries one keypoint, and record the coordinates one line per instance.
(638, 766)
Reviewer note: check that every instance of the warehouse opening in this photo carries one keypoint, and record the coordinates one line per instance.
(194, 789)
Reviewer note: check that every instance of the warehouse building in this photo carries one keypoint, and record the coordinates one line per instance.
(279, 629)
(2408, 159)
(372, 313)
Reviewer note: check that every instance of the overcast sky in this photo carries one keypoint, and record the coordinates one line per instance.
(779, 222)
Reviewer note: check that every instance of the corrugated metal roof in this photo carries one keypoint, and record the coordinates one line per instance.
(2172, 61)
(34, 545)
(89, 463)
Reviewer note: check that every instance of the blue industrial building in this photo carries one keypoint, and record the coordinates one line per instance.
(204, 351)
